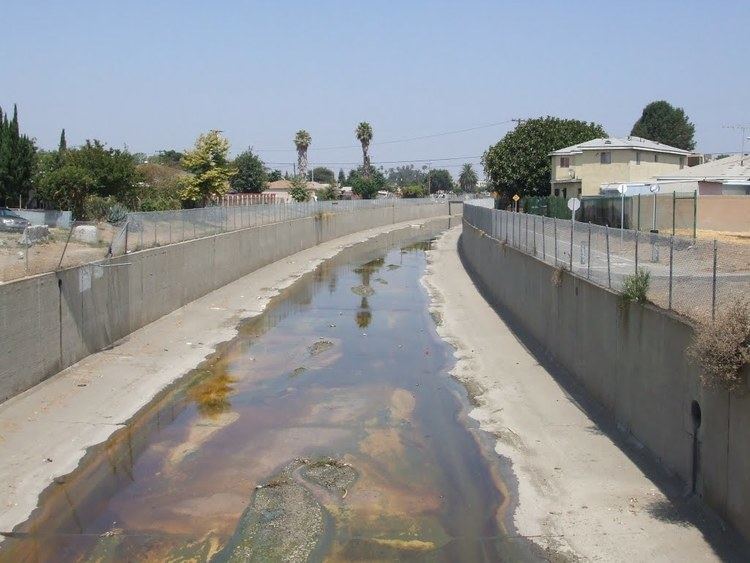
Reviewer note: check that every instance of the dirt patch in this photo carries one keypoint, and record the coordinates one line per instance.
(319, 347)
(363, 290)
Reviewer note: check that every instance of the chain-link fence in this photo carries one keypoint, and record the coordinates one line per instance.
(40, 248)
(696, 278)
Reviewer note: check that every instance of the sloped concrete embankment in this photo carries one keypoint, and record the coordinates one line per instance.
(51, 321)
(630, 358)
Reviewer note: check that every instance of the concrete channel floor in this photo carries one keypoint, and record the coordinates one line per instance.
(582, 491)
(45, 431)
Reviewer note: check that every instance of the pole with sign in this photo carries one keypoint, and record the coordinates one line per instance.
(516, 197)
(573, 204)
(622, 188)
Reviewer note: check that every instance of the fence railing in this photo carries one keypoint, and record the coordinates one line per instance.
(156, 228)
(694, 277)
(54, 248)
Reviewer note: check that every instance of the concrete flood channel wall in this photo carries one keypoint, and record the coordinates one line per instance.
(50, 321)
(630, 358)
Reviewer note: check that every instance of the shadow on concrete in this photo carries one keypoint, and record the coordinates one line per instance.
(681, 508)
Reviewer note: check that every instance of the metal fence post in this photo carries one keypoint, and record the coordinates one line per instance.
(544, 246)
(526, 228)
(671, 268)
(588, 257)
(572, 226)
(554, 227)
(609, 273)
(713, 286)
(695, 214)
(636, 252)
(674, 211)
(534, 231)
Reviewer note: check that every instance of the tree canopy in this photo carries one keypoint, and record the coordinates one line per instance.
(210, 169)
(17, 155)
(299, 191)
(520, 162)
(251, 174)
(364, 136)
(438, 180)
(322, 174)
(405, 175)
(664, 123)
(468, 180)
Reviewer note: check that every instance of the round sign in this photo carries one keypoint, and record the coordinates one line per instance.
(574, 204)
(654, 188)
(622, 188)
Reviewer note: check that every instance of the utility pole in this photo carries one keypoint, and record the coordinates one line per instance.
(743, 129)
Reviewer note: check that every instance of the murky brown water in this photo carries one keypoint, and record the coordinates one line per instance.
(345, 365)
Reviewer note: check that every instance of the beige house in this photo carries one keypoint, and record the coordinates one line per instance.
(582, 169)
(280, 190)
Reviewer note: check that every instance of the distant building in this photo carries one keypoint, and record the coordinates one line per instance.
(586, 168)
(280, 190)
(723, 176)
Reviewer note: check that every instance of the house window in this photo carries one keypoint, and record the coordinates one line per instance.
(557, 191)
(605, 157)
(580, 191)
(656, 157)
(637, 157)
(564, 162)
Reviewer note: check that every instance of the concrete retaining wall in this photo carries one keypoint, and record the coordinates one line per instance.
(51, 218)
(631, 360)
(49, 322)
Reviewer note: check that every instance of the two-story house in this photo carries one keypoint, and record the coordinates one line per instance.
(582, 169)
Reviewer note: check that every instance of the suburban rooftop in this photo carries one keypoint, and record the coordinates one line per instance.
(732, 167)
(609, 143)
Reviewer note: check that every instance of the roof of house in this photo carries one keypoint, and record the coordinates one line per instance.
(613, 143)
(728, 168)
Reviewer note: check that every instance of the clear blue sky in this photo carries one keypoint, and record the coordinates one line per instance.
(154, 74)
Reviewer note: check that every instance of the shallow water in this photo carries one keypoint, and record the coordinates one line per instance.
(346, 365)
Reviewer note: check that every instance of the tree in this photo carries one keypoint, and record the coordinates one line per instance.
(302, 141)
(468, 180)
(210, 169)
(342, 177)
(68, 186)
(322, 174)
(520, 162)
(365, 187)
(63, 145)
(299, 191)
(17, 156)
(251, 174)
(168, 158)
(274, 176)
(439, 180)
(406, 175)
(328, 193)
(664, 123)
(364, 136)
(375, 174)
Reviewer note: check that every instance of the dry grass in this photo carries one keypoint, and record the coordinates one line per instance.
(722, 348)
(557, 276)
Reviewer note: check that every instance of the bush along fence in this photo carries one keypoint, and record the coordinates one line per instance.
(695, 278)
(673, 213)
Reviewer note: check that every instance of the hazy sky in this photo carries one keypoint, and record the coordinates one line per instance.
(154, 74)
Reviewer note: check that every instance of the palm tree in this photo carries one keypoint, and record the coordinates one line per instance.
(302, 141)
(364, 136)
(468, 179)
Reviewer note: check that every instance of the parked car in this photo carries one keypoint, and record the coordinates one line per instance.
(9, 221)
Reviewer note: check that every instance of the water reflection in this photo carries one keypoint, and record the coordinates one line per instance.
(363, 316)
(211, 392)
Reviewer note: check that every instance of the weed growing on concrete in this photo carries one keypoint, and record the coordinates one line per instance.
(722, 348)
(557, 276)
(635, 286)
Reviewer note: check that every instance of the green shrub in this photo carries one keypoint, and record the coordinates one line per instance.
(117, 214)
(413, 191)
(96, 208)
(635, 286)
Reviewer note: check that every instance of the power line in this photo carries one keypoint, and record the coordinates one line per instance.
(403, 140)
(411, 161)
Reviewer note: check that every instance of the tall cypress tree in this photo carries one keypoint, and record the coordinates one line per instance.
(17, 154)
(63, 146)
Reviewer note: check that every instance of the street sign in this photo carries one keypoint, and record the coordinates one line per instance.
(574, 204)
(516, 197)
(622, 188)
(654, 188)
